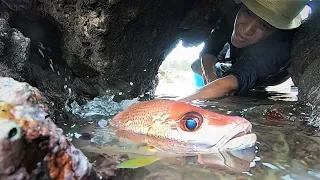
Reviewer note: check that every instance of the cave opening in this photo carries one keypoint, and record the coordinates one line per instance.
(45, 36)
(175, 75)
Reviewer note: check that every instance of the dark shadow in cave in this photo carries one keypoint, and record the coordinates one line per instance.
(44, 35)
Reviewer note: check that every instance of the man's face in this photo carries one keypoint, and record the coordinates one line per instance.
(249, 29)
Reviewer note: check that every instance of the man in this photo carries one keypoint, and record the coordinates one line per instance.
(260, 36)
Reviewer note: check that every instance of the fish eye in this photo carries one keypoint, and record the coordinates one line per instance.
(191, 124)
(191, 121)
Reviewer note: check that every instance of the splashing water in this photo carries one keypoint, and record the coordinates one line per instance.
(100, 107)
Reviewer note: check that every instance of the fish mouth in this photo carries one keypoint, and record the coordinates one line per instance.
(240, 138)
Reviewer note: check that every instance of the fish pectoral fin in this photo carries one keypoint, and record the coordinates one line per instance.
(138, 162)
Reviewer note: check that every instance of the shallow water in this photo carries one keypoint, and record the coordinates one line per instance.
(286, 148)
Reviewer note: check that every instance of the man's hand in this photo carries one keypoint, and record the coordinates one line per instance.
(215, 89)
(209, 77)
(208, 62)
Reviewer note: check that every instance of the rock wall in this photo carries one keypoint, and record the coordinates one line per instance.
(306, 60)
(98, 46)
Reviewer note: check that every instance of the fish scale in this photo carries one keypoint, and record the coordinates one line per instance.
(144, 123)
(145, 126)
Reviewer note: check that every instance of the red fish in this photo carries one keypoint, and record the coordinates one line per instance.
(167, 128)
(180, 128)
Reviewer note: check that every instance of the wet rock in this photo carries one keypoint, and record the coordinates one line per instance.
(32, 146)
(195, 29)
(310, 91)
(5, 71)
(21, 61)
(305, 62)
(14, 50)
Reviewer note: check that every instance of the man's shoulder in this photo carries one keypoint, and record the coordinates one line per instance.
(279, 45)
(277, 51)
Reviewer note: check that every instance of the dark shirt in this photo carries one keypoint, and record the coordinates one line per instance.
(260, 64)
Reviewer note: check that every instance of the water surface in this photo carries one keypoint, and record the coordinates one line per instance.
(287, 148)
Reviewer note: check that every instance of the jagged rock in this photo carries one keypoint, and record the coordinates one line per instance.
(305, 62)
(14, 49)
(305, 46)
(310, 91)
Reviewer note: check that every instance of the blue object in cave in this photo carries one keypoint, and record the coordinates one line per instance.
(199, 80)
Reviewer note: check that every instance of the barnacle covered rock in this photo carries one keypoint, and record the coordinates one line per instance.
(12, 148)
(29, 139)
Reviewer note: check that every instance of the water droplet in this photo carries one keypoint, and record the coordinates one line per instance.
(40, 51)
(131, 83)
(77, 135)
(145, 70)
(103, 123)
(51, 66)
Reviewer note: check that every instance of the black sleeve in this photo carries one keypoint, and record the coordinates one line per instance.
(252, 67)
(220, 35)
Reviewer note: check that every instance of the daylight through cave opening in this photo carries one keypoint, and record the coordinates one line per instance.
(175, 75)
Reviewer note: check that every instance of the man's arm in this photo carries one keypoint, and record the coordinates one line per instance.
(244, 74)
(215, 89)
(217, 40)
(209, 71)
